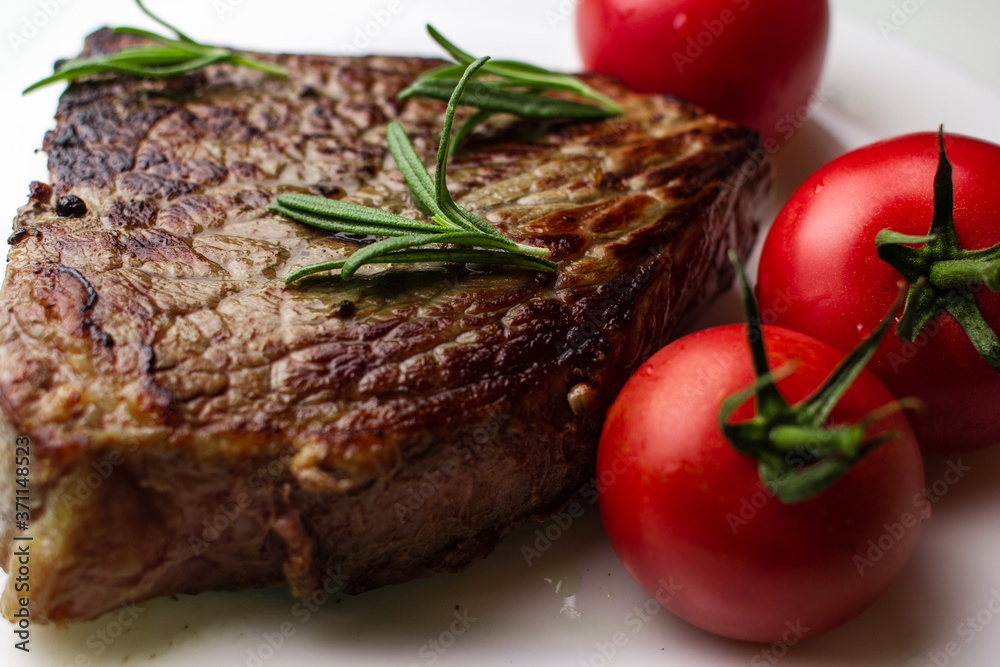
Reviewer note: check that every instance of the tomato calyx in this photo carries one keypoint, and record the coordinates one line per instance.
(799, 455)
(942, 274)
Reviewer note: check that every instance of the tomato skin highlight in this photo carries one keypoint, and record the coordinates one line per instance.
(820, 274)
(752, 61)
(683, 507)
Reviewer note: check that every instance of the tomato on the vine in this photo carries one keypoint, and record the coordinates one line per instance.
(821, 274)
(750, 547)
(752, 61)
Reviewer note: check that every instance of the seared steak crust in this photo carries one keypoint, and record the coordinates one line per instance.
(196, 424)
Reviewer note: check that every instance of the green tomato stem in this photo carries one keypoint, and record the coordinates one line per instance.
(955, 273)
(791, 437)
(799, 455)
(941, 272)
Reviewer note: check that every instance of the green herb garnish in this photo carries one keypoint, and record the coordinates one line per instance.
(515, 90)
(169, 57)
(474, 239)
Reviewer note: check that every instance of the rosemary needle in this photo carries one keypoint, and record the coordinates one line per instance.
(467, 237)
(170, 56)
(515, 90)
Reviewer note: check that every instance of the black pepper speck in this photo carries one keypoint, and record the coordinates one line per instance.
(345, 309)
(71, 206)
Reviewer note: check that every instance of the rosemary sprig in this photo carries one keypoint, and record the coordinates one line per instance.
(169, 57)
(471, 238)
(490, 96)
(515, 90)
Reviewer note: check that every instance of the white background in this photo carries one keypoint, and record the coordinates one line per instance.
(939, 66)
(960, 32)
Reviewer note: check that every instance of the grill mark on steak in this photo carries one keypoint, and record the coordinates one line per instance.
(132, 214)
(70, 305)
(221, 380)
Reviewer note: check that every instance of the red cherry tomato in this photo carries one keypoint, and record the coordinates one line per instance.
(820, 274)
(694, 525)
(752, 61)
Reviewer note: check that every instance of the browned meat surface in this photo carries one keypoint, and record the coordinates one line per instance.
(196, 424)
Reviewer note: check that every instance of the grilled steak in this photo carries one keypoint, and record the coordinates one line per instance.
(196, 424)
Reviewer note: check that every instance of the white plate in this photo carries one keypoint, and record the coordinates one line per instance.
(571, 604)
